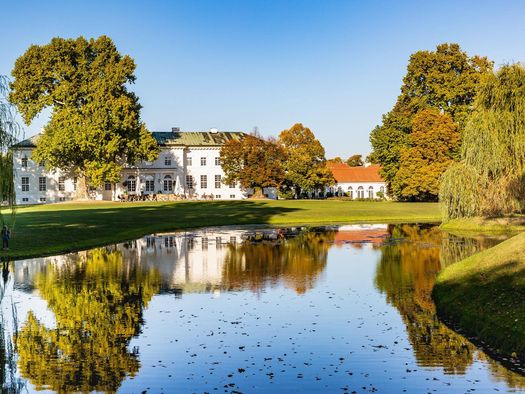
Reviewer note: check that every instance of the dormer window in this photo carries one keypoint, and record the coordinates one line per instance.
(24, 162)
(167, 161)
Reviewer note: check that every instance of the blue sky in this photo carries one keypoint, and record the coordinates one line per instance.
(335, 66)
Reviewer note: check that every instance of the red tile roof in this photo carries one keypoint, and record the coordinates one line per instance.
(345, 174)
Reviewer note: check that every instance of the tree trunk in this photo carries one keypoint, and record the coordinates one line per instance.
(258, 193)
(82, 188)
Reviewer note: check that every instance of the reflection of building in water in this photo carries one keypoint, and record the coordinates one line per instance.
(215, 258)
(24, 271)
(359, 234)
(191, 261)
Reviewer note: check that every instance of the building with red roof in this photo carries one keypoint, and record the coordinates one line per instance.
(357, 182)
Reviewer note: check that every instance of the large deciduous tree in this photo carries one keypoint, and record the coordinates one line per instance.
(95, 127)
(490, 178)
(446, 79)
(254, 162)
(433, 144)
(305, 164)
(9, 132)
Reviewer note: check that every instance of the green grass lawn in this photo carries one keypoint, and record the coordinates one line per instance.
(485, 295)
(56, 228)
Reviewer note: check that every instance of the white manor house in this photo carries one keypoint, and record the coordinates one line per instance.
(188, 165)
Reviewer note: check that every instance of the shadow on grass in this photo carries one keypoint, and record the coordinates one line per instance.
(489, 307)
(64, 229)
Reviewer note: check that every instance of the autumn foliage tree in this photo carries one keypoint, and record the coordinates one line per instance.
(254, 162)
(447, 80)
(433, 145)
(95, 127)
(305, 164)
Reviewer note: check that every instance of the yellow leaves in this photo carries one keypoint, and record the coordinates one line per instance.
(434, 141)
(98, 305)
(305, 163)
(95, 119)
(493, 149)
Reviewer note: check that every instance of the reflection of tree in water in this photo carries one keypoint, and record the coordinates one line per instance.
(406, 274)
(296, 261)
(98, 304)
(10, 382)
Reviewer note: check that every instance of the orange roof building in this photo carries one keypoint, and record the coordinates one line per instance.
(357, 182)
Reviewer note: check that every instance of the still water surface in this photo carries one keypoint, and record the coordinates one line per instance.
(338, 309)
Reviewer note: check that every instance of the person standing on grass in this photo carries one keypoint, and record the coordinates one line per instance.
(6, 235)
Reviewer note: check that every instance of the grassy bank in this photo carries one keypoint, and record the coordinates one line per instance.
(56, 228)
(509, 224)
(485, 296)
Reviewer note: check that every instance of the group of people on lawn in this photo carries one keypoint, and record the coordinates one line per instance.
(163, 197)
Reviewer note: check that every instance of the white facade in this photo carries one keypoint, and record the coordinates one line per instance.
(35, 185)
(192, 171)
(357, 190)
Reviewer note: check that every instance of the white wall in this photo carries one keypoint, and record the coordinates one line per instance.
(33, 171)
(210, 170)
(376, 187)
(156, 171)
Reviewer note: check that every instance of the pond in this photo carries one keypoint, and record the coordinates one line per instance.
(245, 309)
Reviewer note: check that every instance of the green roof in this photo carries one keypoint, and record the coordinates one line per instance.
(196, 138)
(28, 143)
(168, 138)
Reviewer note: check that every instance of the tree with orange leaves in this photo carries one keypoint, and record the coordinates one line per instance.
(433, 145)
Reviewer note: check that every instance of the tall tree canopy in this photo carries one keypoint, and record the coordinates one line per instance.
(9, 132)
(490, 178)
(95, 125)
(305, 164)
(355, 161)
(433, 145)
(254, 162)
(446, 79)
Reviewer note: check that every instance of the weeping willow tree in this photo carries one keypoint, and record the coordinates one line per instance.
(490, 179)
(9, 130)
